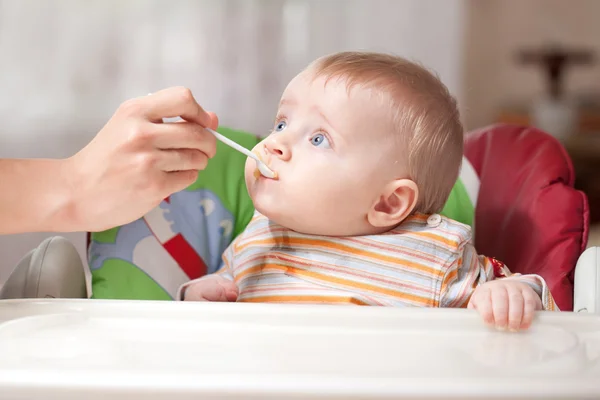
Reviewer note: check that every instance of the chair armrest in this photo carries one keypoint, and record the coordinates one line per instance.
(587, 282)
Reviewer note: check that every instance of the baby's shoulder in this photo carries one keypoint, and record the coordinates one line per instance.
(433, 233)
(435, 223)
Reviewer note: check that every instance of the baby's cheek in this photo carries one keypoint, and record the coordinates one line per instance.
(250, 171)
(355, 196)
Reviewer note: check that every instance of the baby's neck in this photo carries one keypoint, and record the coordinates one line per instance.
(369, 230)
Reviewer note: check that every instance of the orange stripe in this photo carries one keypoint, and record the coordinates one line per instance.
(430, 235)
(343, 248)
(394, 248)
(427, 301)
(417, 217)
(263, 230)
(450, 277)
(304, 299)
(291, 261)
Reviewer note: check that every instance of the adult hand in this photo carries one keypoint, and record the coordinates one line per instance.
(136, 160)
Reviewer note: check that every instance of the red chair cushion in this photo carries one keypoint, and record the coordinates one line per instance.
(528, 214)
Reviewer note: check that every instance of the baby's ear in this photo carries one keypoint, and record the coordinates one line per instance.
(395, 203)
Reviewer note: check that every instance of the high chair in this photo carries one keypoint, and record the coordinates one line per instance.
(528, 214)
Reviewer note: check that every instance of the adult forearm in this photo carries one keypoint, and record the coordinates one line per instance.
(130, 166)
(36, 195)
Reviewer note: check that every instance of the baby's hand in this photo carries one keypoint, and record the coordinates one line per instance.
(506, 303)
(211, 288)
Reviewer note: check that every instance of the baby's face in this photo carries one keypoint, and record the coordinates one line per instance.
(332, 153)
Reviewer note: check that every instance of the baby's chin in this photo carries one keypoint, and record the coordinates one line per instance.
(294, 219)
(298, 221)
(274, 209)
(274, 214)
(266, 204)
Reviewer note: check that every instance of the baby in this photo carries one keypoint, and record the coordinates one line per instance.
(367, 148)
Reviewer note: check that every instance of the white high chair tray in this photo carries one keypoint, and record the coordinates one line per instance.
(86, 349)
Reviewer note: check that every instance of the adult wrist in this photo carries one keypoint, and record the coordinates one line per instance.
(64, 199)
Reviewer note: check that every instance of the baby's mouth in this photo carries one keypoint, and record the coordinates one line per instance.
(257, 173)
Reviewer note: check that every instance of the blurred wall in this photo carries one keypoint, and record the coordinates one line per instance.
(496, 29)
(65, 65)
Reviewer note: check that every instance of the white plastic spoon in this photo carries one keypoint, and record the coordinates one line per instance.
(262, 167)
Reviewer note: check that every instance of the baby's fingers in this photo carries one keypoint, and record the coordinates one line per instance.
(500, 307)
(532, 303)
(194, 291)
(211, 289)
(515, 308)
(230, 290)
(482, 302)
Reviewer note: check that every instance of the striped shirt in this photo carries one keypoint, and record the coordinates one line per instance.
(427, 261)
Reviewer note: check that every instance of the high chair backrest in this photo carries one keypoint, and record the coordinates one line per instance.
(528, 213)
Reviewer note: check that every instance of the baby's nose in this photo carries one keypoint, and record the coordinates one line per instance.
(278, 148)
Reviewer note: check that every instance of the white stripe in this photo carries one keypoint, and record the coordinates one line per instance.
(470, 180)
(152, 258)
(158, 224)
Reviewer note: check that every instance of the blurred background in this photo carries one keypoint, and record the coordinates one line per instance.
(66, 65)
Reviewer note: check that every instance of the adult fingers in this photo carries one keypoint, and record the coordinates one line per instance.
(214, 120)
(170, 103)
(176, 181)
(181, 160)
(184, 135)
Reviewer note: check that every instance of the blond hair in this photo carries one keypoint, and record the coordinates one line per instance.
(424, 113)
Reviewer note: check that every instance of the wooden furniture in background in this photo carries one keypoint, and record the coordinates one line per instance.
(584, 151)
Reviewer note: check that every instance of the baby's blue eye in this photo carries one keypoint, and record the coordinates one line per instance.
(280, 126)
(320, 140)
